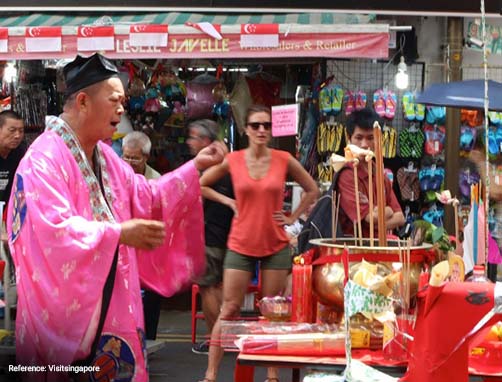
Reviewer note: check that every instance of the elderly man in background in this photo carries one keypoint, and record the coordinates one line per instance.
(136, 147)
(85, 231)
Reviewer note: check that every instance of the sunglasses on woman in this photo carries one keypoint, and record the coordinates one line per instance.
(256, 125)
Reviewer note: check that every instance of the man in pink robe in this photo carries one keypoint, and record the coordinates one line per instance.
(74, 205)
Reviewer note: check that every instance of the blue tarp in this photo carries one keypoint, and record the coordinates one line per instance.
(467, 94)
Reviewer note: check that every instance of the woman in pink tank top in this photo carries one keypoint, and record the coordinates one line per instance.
(258, 177)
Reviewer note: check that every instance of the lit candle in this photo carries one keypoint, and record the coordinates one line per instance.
(302, 306)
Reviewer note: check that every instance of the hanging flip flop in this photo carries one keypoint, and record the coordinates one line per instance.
(498, 137)
(431, 115)
(409, 106)
(390, 105)
(419, 112)
(336, 98)
(361, 100)
(434, 139)
(437, 178)
(440, 112)
(325, 100)
(379, 102)
(493, 148)
(389, 136)
(349, 101)
(425, 178)
(494, 117)
(467, 138)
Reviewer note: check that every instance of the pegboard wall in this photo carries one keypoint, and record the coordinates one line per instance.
(477, 72)
(368, 76)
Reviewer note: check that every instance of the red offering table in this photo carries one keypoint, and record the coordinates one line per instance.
(446, 316)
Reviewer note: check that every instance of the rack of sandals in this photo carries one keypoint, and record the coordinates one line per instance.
(413, 134)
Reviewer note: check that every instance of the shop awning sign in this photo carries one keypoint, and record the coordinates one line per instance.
(339, 41)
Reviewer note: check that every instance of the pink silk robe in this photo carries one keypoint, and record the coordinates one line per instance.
(63, 251)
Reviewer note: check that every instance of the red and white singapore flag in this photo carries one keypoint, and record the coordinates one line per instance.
(43, 39)
(95, 38)
(4, 40)
(259, 35)
(148, 35)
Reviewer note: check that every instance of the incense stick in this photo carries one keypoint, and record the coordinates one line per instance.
(337, 211)
(333, 215)
(370, 187)
(401, 281)
(408, 274)
(457, 230)
(377, 133)
(358, 204)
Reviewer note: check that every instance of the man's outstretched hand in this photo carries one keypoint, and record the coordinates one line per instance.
(142, 233)
(210, 155)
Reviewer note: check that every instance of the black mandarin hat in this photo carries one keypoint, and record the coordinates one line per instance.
(86, 71)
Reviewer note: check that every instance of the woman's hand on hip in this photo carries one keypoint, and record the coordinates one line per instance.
(282, 219)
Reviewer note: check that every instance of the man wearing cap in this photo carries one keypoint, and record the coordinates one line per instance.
(85, 231)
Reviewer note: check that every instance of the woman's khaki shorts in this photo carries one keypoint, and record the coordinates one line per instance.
(279, 260)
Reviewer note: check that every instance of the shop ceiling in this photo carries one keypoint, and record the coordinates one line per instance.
(423, 7)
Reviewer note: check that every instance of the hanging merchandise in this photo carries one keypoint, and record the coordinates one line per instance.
(308, 139)
(379, 100)
(434, 139)
(411, 142)
(435, 115)
(434, 215)
(136, 92)
(467, 138)
(389, 142)
(221, 112)
(409, 106)
(31, 104)
(220, 98)
(349, 102)
(330, 99)
(200, 100)
(152, 100)
(419, 112)
(431, 178)
(240, 100)
(336, 99)
(467, 177)
(409, 185)
(329, 137)
(495, 117)
(472, 118)
(493, 147)
(136, 88)
(325, 100)
(265, 88)
(361, 100)
(390, 104)
(325, 172)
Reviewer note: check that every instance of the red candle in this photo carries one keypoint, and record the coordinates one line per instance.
(301, 304)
